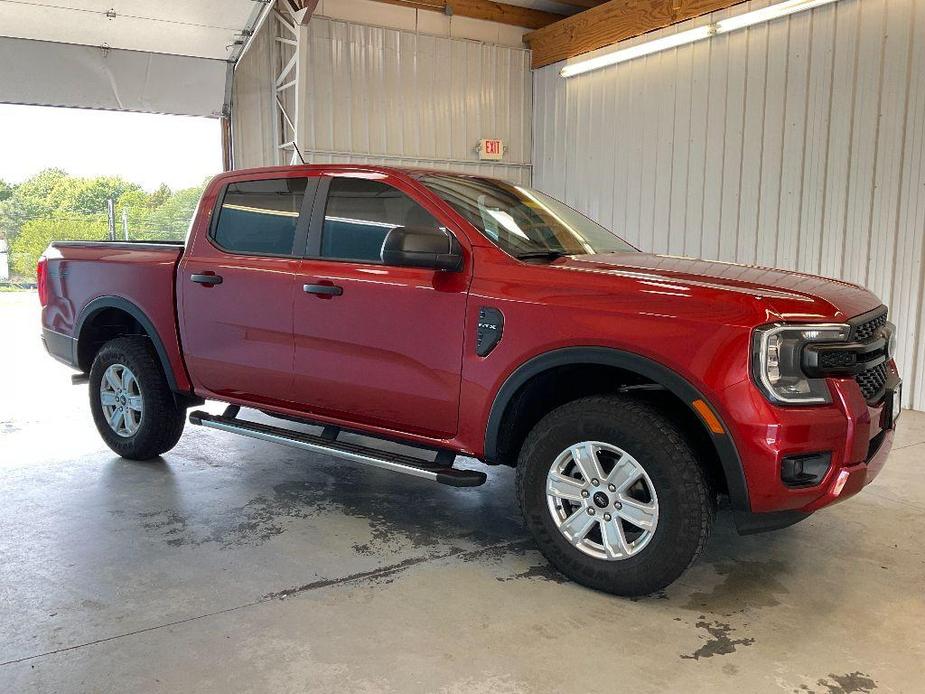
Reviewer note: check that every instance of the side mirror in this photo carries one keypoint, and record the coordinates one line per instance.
(422, 247)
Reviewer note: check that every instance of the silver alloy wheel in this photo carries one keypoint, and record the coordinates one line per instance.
(120, 396)
(602, 500)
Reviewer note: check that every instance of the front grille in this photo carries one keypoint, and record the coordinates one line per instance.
(872, 381)
(837, 360)
(865, 355)
(866, 330)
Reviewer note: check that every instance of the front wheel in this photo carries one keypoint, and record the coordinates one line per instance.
(613, 495)
(133, 407)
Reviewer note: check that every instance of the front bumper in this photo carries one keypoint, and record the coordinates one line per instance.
(858, 434)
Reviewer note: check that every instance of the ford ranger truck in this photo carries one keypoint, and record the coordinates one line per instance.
(465, 316)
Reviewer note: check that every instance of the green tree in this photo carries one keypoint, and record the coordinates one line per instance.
(171, 219)
(90, 195)
(159, 196)
(134, 199)
(54, 206)
(6, 190)
(35, 197)
(136, 205)
(35, 236)
(43, 184)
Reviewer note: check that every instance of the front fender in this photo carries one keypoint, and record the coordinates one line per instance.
(628, 361)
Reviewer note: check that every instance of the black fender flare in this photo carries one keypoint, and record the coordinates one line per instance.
(103, 302)
(652, 370)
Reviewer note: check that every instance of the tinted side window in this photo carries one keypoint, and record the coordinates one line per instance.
(360, 213)
(260, 217)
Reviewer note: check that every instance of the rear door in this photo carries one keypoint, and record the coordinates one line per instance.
(376, 344)
(236, 289)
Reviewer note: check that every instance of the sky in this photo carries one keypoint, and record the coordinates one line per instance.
(143, 148)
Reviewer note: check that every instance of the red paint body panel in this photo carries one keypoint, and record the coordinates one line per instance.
(237, 335)
(142, 274)
(395, 354)
(387, 352)
(363, 356)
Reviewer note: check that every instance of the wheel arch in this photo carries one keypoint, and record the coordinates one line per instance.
(88, 341)
(647, 371)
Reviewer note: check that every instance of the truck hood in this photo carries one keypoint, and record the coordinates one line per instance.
(787, 295)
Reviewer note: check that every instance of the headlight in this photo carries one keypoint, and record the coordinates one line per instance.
(777, 354)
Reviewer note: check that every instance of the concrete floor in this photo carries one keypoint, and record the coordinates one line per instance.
(234, 565)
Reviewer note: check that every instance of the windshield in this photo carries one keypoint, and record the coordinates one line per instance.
(523, 222)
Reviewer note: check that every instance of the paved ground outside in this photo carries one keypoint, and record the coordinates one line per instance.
(236, 565)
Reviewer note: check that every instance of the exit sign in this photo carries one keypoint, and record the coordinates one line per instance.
(491, 149)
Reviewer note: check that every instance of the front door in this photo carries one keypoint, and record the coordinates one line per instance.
(376, 344)
(236, 287)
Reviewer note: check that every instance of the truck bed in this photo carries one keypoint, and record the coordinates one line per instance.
(85, 278)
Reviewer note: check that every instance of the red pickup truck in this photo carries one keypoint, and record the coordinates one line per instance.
(466, 316)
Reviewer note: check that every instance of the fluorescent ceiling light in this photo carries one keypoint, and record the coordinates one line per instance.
(639, 50)
(765, 14)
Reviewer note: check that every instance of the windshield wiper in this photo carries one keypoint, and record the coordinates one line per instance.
(550, 254)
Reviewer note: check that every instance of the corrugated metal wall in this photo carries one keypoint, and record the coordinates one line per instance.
(252, 104)
(403, 98)
(387, 96)
(798, 144)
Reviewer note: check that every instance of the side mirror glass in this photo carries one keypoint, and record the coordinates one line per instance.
(422, 247)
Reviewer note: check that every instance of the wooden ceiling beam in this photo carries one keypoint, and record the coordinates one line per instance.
(610, 23)
(484, 9)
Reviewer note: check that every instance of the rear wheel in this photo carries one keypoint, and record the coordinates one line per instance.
(133, 407)
(613, 495)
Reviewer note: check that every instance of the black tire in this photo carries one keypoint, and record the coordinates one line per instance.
(686, 503)
(162, 420)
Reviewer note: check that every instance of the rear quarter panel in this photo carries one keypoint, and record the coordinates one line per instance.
(143, 274)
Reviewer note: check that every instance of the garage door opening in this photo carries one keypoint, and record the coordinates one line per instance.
(86, 174)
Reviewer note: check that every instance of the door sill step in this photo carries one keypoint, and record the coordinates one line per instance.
(374, 457)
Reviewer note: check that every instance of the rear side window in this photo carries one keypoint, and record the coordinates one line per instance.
(360, 213)
(260, 217)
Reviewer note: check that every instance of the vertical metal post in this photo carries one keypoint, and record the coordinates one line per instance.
(227, 144)
(111, 214)
(226, 125)
(125, 223)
